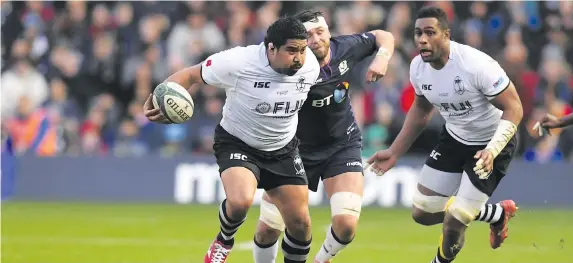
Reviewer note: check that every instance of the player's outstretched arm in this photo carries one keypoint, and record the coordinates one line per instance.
(416, 120)
(507, 101)
(549, 122)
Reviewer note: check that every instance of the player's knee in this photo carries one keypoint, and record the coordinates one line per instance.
(424, 205)
(421, 217)
(266, 234)
(298, 226)
(464, 210)
(345, 226)
(345, 208)
(239, 205)
(271, 216)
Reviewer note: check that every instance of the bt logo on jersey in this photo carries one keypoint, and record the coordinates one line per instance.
(426, 86)
(339, 95)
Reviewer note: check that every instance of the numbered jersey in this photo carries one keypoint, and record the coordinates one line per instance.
(262, 105)
(461, 91)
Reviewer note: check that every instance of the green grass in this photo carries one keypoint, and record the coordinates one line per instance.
(133, 233)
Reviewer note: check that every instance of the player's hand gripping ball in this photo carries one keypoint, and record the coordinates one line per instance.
(169, 103)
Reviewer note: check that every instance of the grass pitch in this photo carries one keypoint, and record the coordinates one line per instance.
(148, 233)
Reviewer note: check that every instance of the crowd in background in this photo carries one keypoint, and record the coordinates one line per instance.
(76, 74)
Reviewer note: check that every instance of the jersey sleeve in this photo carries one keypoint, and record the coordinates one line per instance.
(361, 45)
(221, 69)
(413, 72)
(491, 79)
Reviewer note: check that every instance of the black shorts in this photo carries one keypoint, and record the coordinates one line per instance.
(456, 157)
(272, 169)
(332, 160)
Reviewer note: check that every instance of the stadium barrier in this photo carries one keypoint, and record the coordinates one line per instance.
(196, 181)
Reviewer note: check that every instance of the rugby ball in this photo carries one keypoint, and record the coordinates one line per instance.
(174, 101)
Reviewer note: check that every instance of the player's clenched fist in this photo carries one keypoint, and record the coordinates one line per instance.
(377, 69)
(381, 162)
(484, 164)
(152, 114)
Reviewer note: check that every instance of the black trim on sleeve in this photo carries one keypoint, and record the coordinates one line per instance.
(201, 74)
(495, 95)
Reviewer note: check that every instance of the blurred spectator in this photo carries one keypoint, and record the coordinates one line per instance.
(103, 59)
(22, 80)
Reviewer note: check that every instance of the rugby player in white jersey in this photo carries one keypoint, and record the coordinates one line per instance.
(255, 143)
(482, 111)
(331, 141)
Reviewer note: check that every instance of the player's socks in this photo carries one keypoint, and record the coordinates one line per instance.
(265, 253)
(331, 246)
(490, 213)
(295, 251)
(440, 259)
(229, 227)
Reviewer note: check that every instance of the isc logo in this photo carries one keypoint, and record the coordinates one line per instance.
(238, 156)
(426, 86)
(262, 85)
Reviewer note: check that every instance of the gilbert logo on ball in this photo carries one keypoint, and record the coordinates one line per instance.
(174, 102)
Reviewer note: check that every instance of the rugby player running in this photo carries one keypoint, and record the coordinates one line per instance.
(255, 143)
(482, 111)
(331, 141)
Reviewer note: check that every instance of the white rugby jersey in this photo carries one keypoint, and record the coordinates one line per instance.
(461, 91)
(262, 105)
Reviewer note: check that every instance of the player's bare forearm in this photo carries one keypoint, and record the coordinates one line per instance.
(416, 121)
(384, 42)
(508, 102)
(566, 120)
(187, 77)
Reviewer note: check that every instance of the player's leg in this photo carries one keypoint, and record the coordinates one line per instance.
(269, 228)
(240, 185)
(271, 223)
(240, 175)
(438, 181)
(470, 200)
(345, 194)
(284, 180)
(460, 213)
(499, 214)
(292, 202)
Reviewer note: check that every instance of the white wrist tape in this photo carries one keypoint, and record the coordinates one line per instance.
(382, 51)
(320, 22)
(505, 131)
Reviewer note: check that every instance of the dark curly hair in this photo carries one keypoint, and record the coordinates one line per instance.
(308, 15)
(283, 29)
(437, 13)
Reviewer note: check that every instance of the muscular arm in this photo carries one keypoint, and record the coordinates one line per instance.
(508, 101)
(384, 42)
(416, 121)
(187, 77)
(566, 120)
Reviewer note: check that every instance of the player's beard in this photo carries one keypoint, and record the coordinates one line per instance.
(321, 52)
(292, 70)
